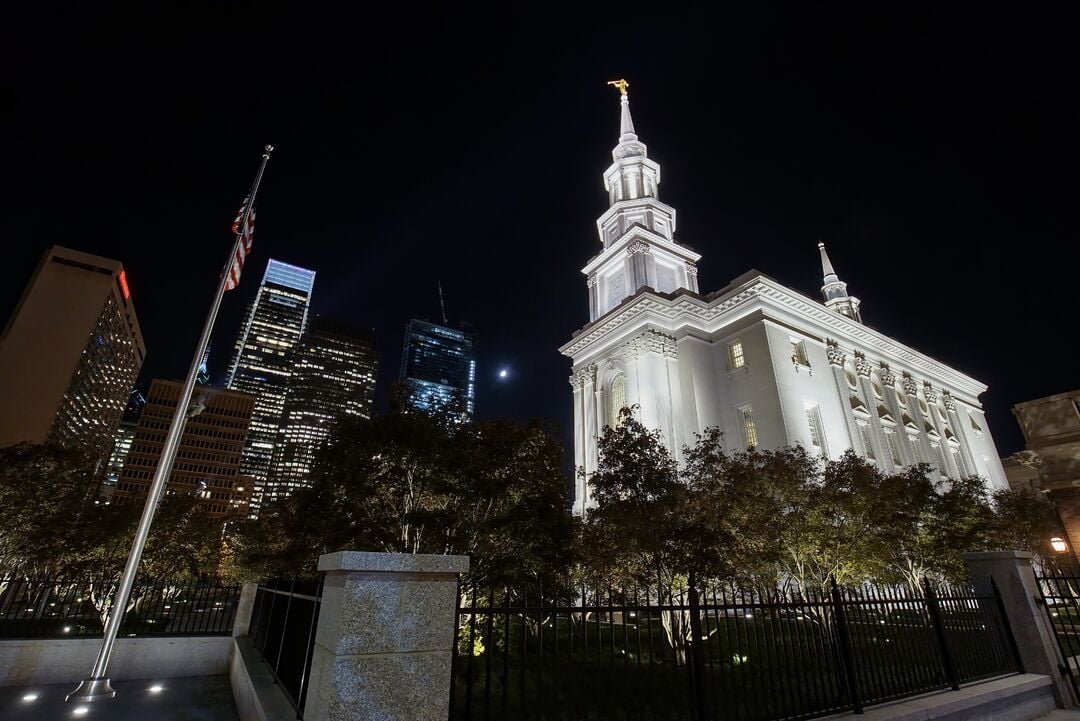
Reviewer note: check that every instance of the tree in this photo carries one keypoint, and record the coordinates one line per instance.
(1025, 520)
(47, 495)
(424, 482)
(55, 531)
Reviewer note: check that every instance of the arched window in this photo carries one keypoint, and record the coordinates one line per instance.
(618, 400)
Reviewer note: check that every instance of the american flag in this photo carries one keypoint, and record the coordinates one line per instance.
(244, 248)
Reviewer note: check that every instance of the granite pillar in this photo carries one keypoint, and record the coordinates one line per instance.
(384, 638)
(1011, 571)
(244, 607)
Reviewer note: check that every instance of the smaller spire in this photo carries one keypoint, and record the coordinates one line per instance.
(826, 265)
(835, 291)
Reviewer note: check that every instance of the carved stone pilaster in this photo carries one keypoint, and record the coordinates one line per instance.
(691, 269)
(638, 246)
(888, 378)
(656, 342)
(947, 399)
(836, 356)
(591, 280)
(582, 376)
(931, 394)
(911, 387)
(862, 366)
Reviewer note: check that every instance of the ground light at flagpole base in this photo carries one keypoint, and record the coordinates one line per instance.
(90, 690)
(96, 686)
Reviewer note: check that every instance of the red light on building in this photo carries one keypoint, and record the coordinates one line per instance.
(123, 284)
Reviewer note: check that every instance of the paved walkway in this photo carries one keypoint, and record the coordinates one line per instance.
(202, 698)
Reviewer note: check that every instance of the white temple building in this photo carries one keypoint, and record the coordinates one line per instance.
(764, 363)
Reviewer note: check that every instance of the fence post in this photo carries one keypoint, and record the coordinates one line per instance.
(384, 640)
(697, 656)
(846, 653)
(1036, 643)
(934, 609)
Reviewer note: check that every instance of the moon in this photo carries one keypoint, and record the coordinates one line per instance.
(503, 373)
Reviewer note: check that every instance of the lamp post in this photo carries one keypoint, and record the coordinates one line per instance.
(1059, 545)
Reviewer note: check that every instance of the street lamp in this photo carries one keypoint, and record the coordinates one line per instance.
(1058, 544)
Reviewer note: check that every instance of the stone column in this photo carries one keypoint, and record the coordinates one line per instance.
(863, 368)
(592, 430)
(577, 382)
(385, 636)
(1035, 640)
(244, 608)
(961, 432)
(911, 388)
(903, 446)
(836, 361)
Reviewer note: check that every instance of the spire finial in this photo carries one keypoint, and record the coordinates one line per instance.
(626, 123)
(622, 84)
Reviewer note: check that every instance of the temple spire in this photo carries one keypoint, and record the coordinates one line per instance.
(826, 265)
(629, 145)
(834, 290)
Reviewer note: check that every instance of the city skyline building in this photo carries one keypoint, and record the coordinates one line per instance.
(208, 459)
(438, 364)
(762, 362)
(333, 376)
(263, 358)
(125, 436)
(70, 354)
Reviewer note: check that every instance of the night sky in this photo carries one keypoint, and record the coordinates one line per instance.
(935, 155)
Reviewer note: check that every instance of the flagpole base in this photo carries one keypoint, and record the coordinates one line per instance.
(91, 690)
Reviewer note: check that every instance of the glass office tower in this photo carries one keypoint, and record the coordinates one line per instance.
(263, 363)
(333, 376)
(438, 363)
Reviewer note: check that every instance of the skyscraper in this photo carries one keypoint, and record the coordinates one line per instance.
(209, 456)
(333, 376)
(263, 361)
(438, 363)
(70, 353)
(125, 436)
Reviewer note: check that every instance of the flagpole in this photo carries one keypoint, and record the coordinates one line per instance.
(96, 687)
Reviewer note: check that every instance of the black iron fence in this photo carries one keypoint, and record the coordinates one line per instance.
(60, 608)
(282, 629)
(719, 653)
(1059, 590)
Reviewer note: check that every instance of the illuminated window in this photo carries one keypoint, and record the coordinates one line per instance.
(864, 434)
(817, 434)
(958, 459)
(618, 400)
(890, 442)
(943, 469)
(749, 429)
(735, 355)
(798, 353)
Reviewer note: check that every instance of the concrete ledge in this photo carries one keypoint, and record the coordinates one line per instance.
(393, 562)
(1018, 698)
(67, 660)
(257, 695)
(996, 555)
